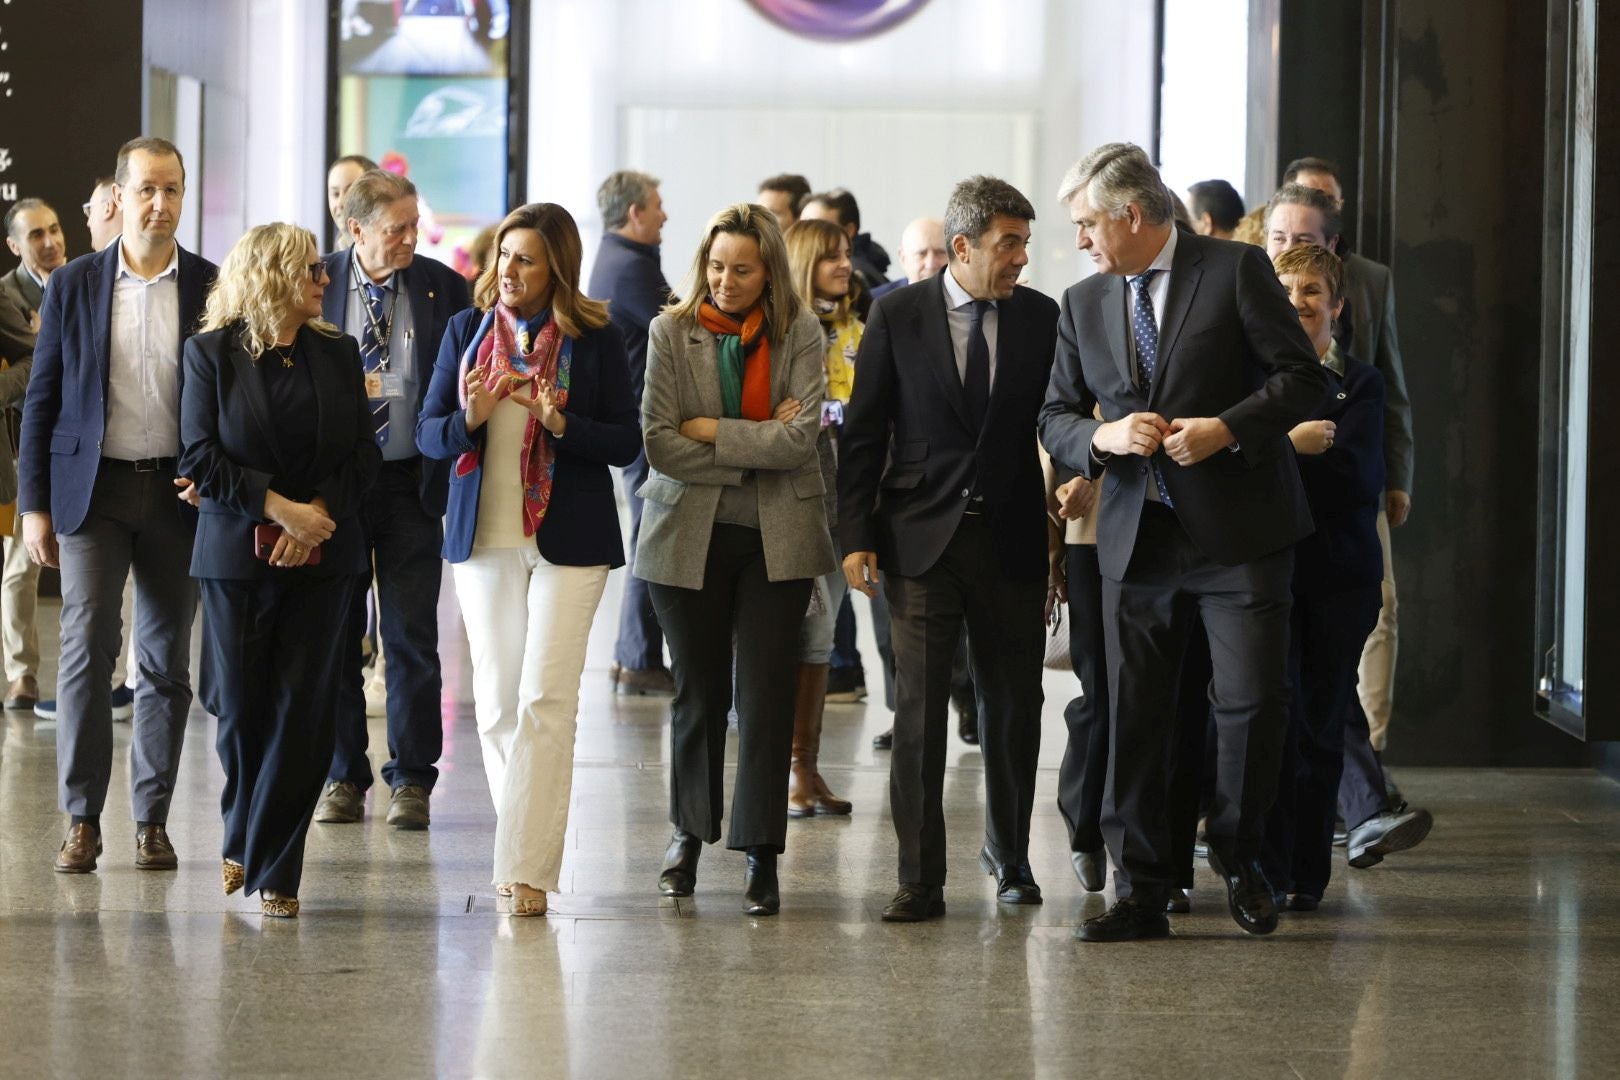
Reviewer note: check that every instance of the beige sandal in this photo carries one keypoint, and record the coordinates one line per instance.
(526, 903)
(234, 874)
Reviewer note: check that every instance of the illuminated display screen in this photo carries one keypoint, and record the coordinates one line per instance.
(423, 91)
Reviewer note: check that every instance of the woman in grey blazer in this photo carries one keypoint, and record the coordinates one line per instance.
(733, 531)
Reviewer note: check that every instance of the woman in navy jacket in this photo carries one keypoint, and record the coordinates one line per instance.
(277, 435)
(1338, 575)
(531, 400)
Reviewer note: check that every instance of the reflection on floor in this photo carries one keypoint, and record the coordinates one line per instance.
(1493, 950)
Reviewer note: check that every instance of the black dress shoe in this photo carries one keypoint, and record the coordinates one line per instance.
(967, 724)
(1015, 884)
(885, 741)
(1091, 867)
(761, 895)
(915, 903)
(1302, 901)
(679, 877)
(1127, 920)
(1178, 903)
(1248, 893)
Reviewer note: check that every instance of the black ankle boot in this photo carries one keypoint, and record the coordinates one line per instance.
(761, 895)
(679, 877)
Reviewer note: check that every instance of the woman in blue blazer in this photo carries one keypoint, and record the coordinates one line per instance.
(277, 435)
(1338, 575)
(531, 402)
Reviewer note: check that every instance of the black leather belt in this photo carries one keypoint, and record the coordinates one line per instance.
(146, 464)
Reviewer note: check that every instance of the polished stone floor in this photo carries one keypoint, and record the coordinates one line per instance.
(1491, 951)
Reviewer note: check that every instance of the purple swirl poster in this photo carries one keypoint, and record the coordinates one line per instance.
(837, 20)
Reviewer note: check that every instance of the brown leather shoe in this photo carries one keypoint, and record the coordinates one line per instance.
(654, 682)
(23, 693)
(79, 850)
(153, 850)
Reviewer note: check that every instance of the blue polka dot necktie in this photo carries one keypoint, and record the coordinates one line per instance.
(1146, 331)
(371, 352)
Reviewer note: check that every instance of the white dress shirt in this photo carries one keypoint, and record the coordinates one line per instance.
(959, 312)
(143, 364)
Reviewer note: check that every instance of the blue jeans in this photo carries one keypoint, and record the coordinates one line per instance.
(640, 646)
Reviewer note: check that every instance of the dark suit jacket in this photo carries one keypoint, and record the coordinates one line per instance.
(1231, 346)
(1369, 291)
(628, 276)
(65, 415)
(909, 454)
(581, 526)
(233, 453)
(1344, 486)
(436, 292)
(19, 287)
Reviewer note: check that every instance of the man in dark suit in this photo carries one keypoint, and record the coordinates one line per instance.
(940, 501)
(1200, 366)
(627, 275)
(97, 496)
(397, 306)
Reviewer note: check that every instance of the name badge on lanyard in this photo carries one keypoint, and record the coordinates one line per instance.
(384, 385)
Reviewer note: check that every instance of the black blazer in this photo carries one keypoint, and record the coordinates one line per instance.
(1344, 486)
(436, 292)
(908, 451)
(65, 412)
(581, 526)
(628, 276)
(231, 452)
(1231, 346)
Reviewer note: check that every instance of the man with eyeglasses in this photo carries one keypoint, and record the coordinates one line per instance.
(396, 306)
(98, 496)
(102, 215)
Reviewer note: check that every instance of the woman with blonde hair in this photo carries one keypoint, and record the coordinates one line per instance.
(277, 436)
(733, 533)
(531, 399)
(819, 258)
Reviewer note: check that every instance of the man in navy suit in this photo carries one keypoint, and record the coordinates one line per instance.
(100, 435)
(397, 306)
(627, 275)
(1200, 367)
(941, 501)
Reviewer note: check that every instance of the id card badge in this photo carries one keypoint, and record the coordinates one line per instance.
(384, 385)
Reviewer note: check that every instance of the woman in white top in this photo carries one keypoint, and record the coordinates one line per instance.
(531, 398)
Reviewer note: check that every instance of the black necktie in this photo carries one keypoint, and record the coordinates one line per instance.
(976, 381)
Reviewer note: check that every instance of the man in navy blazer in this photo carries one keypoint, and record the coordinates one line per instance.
(1191, 349)
(397, 306)
(97, 497)
(627, 275)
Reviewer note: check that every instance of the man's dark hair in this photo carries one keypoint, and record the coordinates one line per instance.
(365, 163)
(840, 202)
(20, 207)
(152, 145)
(1300, 195)
(1219, 200)
(796, 187)
(975, 201)
(1310, 164)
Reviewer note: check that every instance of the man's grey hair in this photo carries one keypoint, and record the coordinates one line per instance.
(18, 209)
(1300, 195)
(1115, 175)
(619, 192)
(372, 192)
(975, 201)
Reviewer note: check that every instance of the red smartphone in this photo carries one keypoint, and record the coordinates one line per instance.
(264, 544)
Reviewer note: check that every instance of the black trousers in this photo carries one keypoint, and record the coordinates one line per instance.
(1327, 633)
(1147, 618)
(963, 696)
(1006, 643)
(1084, 771)
(405, 542)
(737, 603)
(274, 647)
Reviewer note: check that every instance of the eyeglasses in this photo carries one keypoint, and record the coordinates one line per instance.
(317, 270)
(87, 208)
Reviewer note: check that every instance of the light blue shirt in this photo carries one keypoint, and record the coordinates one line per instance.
(402, 345)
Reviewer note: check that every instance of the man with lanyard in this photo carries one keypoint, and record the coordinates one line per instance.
(397, 306)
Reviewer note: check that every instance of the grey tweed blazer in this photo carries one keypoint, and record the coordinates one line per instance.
(684, 482)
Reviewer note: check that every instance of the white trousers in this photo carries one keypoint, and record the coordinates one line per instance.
(19, 594)
(527, 626)
(1375, 679)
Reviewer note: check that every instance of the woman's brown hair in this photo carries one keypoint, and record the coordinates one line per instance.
(781, 300)
(559, 236)
(809, 241)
